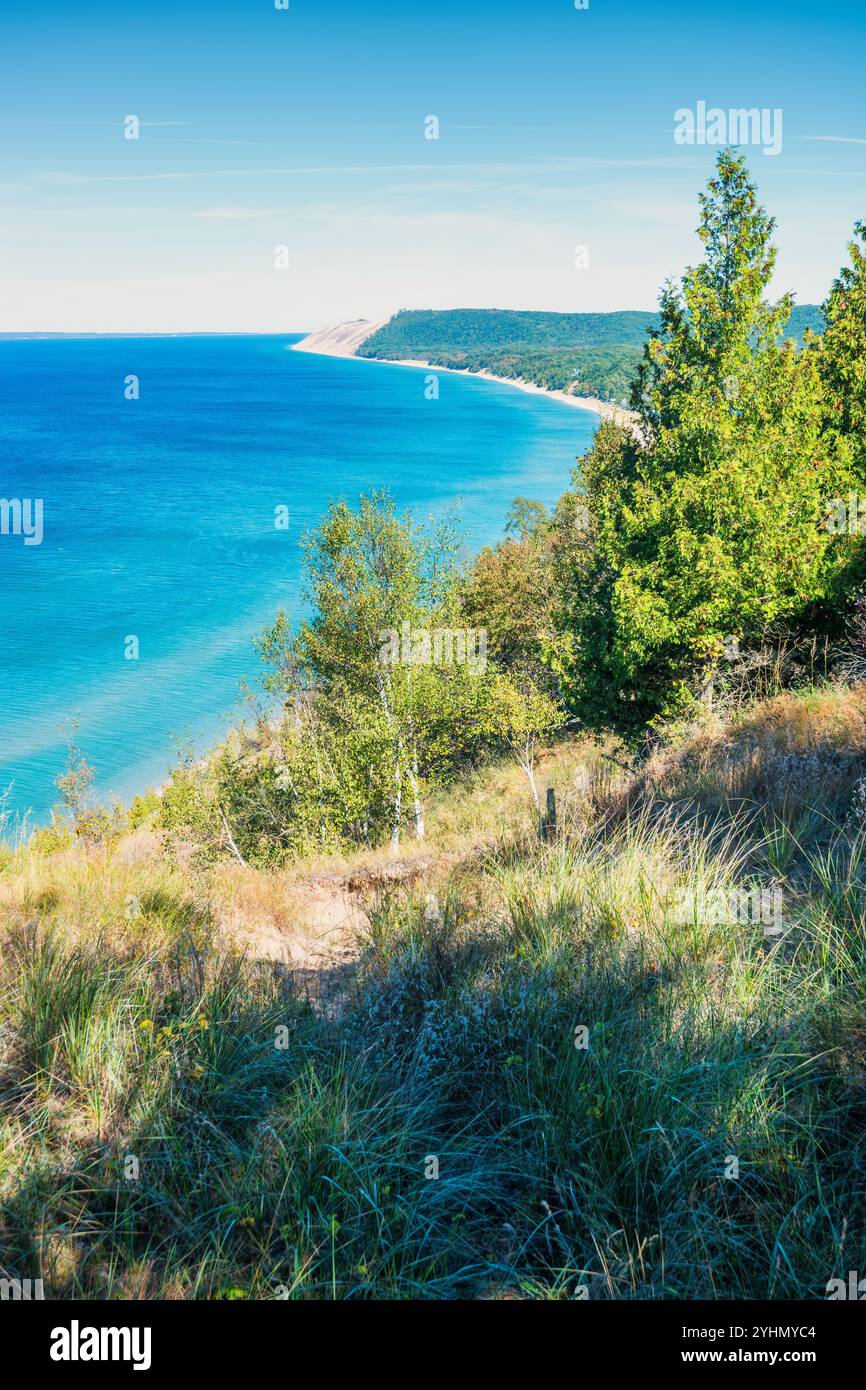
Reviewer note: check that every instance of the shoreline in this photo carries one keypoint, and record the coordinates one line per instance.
(605, 409)
(345, 339)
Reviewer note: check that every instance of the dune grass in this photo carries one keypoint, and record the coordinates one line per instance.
(550, 1080)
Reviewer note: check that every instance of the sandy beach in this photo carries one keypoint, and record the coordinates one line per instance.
(602, 408)
(344, 339)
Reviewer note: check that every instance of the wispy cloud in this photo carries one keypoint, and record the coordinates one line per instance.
(835, 139)
(65, 121)
(553, 163)
(236, 214)
(776, 170)
(99, 214)
(202, 140)
(62, 123)
(55, 177)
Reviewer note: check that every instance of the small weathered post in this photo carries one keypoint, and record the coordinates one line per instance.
(548, 819)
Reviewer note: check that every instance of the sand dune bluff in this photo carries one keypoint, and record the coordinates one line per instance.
(343, 340)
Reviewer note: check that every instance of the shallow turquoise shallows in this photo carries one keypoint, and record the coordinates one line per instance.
(159, 522)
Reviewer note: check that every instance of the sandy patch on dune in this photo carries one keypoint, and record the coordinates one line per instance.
(343, 340)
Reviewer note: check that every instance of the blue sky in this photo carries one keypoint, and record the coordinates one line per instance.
(305, 128)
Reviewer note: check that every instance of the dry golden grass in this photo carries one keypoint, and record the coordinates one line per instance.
(800, 721)
(799, 749)
(792, 751)
(93, 890)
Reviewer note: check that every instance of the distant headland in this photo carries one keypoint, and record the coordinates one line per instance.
(585, 359)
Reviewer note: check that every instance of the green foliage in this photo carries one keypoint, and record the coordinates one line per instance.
(509, 592)
(48, 839)
(75, 783)
(842, 363)
(316, 784)
(186, 803)
(142, 807)
(706, 526)
(385, 694)
(526, 518)
(382, 589)
(585, 354)
(470, 329)
(522, 714)
(843, 349)
(88, 822)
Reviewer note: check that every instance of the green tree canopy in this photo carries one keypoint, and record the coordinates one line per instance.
(706, 523)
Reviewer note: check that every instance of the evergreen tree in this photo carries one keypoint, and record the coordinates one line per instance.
(706, 523)
(843, 355)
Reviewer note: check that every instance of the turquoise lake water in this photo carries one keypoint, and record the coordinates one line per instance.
(158, 522)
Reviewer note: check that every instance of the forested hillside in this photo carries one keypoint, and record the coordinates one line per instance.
(500, 328)
(590, 354)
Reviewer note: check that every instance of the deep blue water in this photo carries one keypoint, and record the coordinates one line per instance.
(159, 522)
